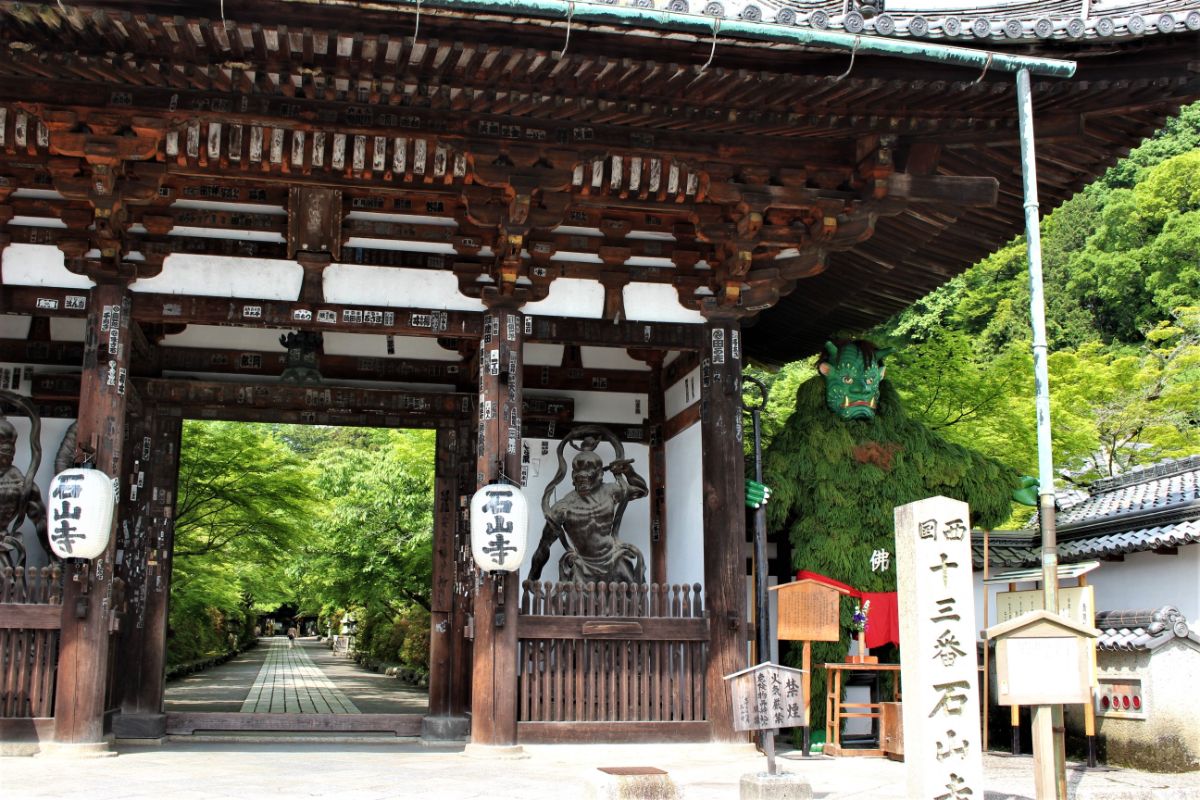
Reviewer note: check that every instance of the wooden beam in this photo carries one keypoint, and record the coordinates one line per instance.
(613, 732)
(958, 192)
(681, 421)
(214, 396)
(285, 315)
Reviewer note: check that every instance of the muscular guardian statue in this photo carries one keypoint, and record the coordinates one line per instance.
(587, 520)
(20, 497)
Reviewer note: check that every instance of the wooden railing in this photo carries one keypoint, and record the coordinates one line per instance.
(612, 653)
(30, 619)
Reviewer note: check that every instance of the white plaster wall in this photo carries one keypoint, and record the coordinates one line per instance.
(685, 508)
(635, 525)
(399, 287)
(682, 393)
(656, 302)
(68, 329)
(1141, 581)
(570, 297)
(1149, 580)
(13, 326)
(38, 265)
(613, 408)
(224, 276)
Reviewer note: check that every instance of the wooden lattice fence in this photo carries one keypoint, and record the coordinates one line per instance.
(612, 653)
(30, 619)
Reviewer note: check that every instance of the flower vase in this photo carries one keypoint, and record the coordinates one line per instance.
(861, 656)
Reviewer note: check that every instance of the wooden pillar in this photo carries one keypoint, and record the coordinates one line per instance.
(656, 406)
(141, 661)
(441, 605)
(498, 456)
(80, 701)
(724, 516)
(464, 579)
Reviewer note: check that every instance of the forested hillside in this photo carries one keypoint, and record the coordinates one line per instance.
(1122, 278)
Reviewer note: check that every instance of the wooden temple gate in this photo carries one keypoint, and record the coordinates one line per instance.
(30, 617)
(612, 662)
(463, 200)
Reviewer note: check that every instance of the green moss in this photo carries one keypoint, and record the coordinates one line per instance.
(835, 484)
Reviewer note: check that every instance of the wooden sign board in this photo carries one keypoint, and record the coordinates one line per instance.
(809, 611)
(1076, 603)
(1044, 659)
(767, 697)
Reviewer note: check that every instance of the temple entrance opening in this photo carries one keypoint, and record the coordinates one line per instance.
(300, 581)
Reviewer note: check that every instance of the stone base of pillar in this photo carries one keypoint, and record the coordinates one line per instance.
(781, 786)
(495, 752)
(140, 726)
(605, 785)
(444, 729)
(78, 749)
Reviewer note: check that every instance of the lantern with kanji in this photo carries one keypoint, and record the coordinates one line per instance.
(499, 527)
(81, 513)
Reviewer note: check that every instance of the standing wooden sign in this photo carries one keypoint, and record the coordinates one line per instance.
(809, 611)
(766, 697)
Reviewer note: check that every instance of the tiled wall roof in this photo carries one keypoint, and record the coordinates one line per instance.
(1141, 630)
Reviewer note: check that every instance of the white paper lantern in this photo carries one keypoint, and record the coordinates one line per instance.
(80, 514)
(499, 527)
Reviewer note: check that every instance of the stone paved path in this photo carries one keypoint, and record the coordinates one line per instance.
(296, 681)
(290, 683)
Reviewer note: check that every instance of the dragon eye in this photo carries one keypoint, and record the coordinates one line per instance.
(847, 379)
(870, 381)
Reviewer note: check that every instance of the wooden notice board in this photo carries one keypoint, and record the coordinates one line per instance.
(809, 611)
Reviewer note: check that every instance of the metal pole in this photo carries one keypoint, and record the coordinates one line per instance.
(762, 609)
(1037, 315)
(708, 27)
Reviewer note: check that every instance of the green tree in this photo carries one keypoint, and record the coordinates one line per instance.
(243, 505)
(372, 545)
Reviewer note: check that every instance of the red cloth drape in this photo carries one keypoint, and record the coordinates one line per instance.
(883, 619)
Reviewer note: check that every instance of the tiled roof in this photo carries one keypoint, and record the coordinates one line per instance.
(1147, 508)
(1142, 630)
(1155, 487)
(965, 23)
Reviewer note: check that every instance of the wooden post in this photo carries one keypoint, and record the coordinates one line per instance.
(498, 456)
(724, 516)
(142, 660)
(82, 683)
(464, 579)
(1045, 780)
(806, 665)
(657, 478)
(445, 517)
(1014, 712)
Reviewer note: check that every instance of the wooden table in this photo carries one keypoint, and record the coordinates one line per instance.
(836, 710)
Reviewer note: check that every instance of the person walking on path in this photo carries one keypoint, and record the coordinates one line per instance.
(292, 633)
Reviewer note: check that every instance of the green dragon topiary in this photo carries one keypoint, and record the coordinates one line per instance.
(835, 478)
